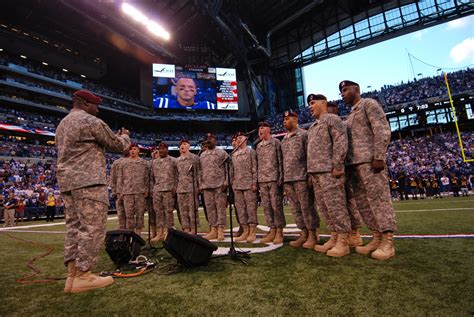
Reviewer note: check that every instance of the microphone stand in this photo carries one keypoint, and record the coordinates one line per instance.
(191, 169)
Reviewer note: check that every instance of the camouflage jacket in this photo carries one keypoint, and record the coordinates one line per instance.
(269, 161)
(212, 173)
(185, 173)
(293, 147)
(368, 132)
(327, 144)
(134, 176)
(244, 164)
(163, 174)
(114, 172)
(81, 140)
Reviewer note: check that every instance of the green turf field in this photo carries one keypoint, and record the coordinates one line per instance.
(427, 276)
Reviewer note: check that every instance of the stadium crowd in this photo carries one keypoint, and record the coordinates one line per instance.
(414, 165)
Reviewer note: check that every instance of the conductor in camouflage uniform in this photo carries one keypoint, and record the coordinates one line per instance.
(135, 183)
(327, 148)
(301, 197)
(270, 182)
(244, 184)
(187, 166)
(369, 135)
(163, 183)
(213, 184)
(81, 139)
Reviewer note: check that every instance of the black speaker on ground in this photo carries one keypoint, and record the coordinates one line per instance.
(123, 245)
(190, 250)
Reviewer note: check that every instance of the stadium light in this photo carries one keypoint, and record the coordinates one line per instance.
(44, 63)
(1, 49)
(23, 56)
(138, 16)
(65, 70)
(83, 76)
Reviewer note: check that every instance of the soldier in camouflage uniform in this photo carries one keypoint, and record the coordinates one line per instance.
(244, 184)
(355, 238)
(369, 135)
(270, 181)
(81, 139)
(294, 145)
(163, 183)
(327, 148)
(213, 184)
(134, 177)
(235, 145)
(117, 190)
(149, 200)
(187, 166)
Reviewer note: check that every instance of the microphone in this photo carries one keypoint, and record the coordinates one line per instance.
(250, 132)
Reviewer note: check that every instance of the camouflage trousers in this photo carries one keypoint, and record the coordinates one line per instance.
(354, 214)
(216, 203)
(122, 219)
(246, 206)
(134, 210)
(372, 196)
(186, 210)
(272, 202)
(86, 217)
(163, 205)
(331, 201)
(302, 204)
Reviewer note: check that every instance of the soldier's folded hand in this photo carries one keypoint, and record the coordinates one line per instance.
(378, 166)
(337, 172)
(123, 131)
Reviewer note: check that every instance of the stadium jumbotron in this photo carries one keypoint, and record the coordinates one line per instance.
(214, 157)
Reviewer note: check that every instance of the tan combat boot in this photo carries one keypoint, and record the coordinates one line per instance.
(385, 250)
(71, 272)
(244, 235)
(252, 234)
(372, 245)
(301, 239)
(220, 233)
(239, 232)
(312, 240)
(342, 246)
(269, 237)
(355, 239)
(159, 236)
(86, 281)
(212, 234)
(331, 243)
(278, 236)
(153, 231)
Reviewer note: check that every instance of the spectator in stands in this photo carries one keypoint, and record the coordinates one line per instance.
(50, 207)
(9, 207)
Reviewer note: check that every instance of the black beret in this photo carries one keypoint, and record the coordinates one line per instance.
(290, 114)
(264, 124)
(345, 83)
(312, 97)
(183, 141)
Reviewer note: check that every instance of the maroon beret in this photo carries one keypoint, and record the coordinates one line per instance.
(290, 114)
(133, 145)
(264, 124)
(163, 144)
(88, 96)
(183, 141)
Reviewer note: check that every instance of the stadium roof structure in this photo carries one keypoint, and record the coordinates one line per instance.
(258, 37)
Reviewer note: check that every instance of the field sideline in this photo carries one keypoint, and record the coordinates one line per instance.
(427, 276)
